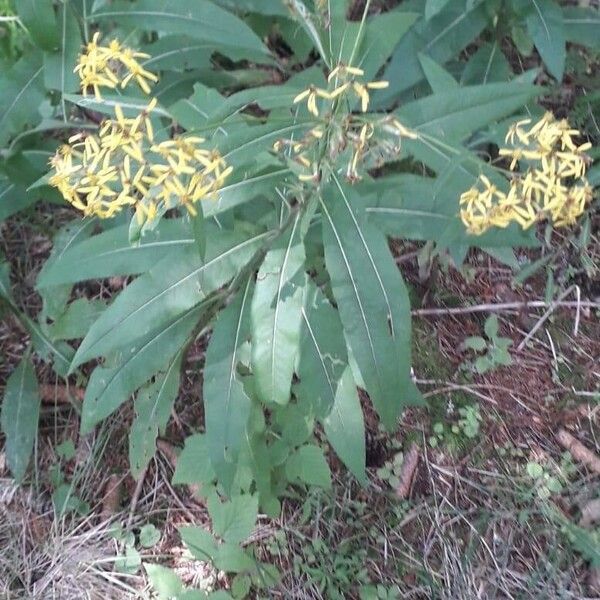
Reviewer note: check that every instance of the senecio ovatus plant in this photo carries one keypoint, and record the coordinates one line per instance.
(243, 224)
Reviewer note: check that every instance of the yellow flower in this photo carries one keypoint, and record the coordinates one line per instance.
(111, 66)
(310, 95)
(553, 187)
(120, 166)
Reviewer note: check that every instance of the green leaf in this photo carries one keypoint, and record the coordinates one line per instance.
(581, 25)
(408, 206)
(13, 198)
(152, 411)
(323, 355)
(242, 146)
(441, 38)
(59, 62)
(131, 106)
(455, 114)
(110, 254)
(77, 319)
(535, 470)
(194, 465)
(173, 286)
(200, 20)
(433, 7)
(233, 559)
(109, 387)
(491, 327)
(545, 26)
(233, 520)
(487, 65)
(226, 404)
(20, 412)
(475, 343)
(21, 93)
(277, 317)
(373, 302)
(165, 582)
(345, 427)
(380, 35)
(246, 188)
(177, 53)
(437, 77)
(200, 543)
(149, 536)
(38, 17)
(308, 465)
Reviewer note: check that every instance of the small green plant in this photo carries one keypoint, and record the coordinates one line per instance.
(544, 482)
(454, 433)
(379, 592)
(492, 350)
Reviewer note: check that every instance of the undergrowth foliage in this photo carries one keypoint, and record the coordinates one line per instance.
(263, 213)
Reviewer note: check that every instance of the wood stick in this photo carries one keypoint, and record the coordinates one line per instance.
(580, 453)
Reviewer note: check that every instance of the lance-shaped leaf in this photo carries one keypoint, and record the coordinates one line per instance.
(345, 426)
(38, 17)
(326, 380)
(226, 404)
(546, 28)
(276, 316)
(372, 301)
(366, 45)
(110, 253)
(60, 353)
(457, 113)
(110, 386)
(174, 285)
(201, 20)
(441, 38)
(153, 408)
(59, 62)
(20, 412)
(582, 25)
(21, 93)
(323, 355)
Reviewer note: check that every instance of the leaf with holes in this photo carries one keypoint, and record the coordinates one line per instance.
(152, 407)
(345, 426)
(226, 404)
(276, 315)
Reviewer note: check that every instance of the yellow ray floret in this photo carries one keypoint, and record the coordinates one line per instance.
(121, 166)
(110, 67)
(553, 185)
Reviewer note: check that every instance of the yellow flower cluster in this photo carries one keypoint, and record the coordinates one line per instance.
(344, 78)
(111, 66)
(553, 186)
(122, 166)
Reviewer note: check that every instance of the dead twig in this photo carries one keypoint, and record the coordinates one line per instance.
(501, 307)
(407, 473)
(553, 306)
(579, 452)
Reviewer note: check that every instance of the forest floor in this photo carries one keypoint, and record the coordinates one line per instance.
(491, 491)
